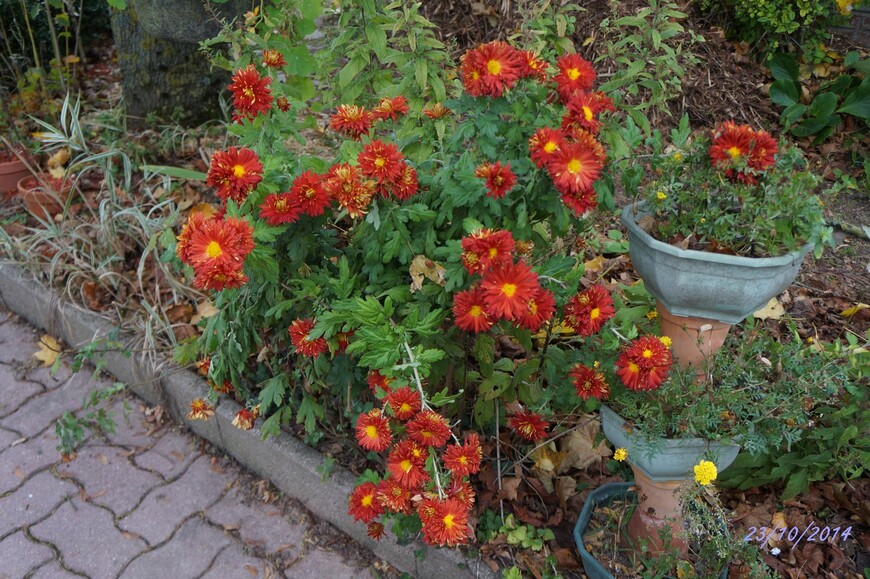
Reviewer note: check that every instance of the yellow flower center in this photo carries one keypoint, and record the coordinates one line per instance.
(574, 166)
(371, 431)
(463, 459)
(647, 354)
(533, 308)
(380, 162)
(475, 75)
(593, 315)
(493, 66)
(509, 289)
(281, 205)
(405, 407)
(310, 193)
(213, 249)
(633, 368)
(493, 252)
(587, 113)
(239, 171)
(550, 146)
(248, 92)
(734, 152)
(448, 521)
(475, 311)
(367, 501)
(405, 465)
(572, 73)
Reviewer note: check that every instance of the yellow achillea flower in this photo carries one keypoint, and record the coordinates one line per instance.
(652, 314)
(705, 472)
(661, 196)
(666, 341)
(620, 454)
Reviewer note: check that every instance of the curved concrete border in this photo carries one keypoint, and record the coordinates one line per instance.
(288, 463)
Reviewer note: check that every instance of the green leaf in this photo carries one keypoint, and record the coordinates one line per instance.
(272, 394)
(350, 70)
(484, 348)
(421, 74)
(793, 113)
(310, 9)
(797, 483)
(823, 105)
(784, 93)
(377, 40)
(784, 67)
(177, 172)
(857, 102)
(118, 4)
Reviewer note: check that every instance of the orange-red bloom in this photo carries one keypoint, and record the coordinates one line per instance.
(373, 431)
(583, 110)
(375, 530)
(244, 419)
(216, 249)
(304, 345)
(491, 68)
(428, 428)
(273, 58)
(377, 381)
(436, 111)
(533, 66)
(345, 184)
(587, 311)
(644, 364)
(234, 172)
(499, 178)
(251, 93)
(352, 120)
(741, 152)
(200, 410)
(390, 108)
(490, 248)
(448, 525)
(382, 162)
(539, 309)
(309, 193)
(589, 383)
(463, 460)
(404, 402)
(394, 497)
(280, 208)
(543, 144)
(362, 505)
(581, 202)
(508, 288)
(574, 167)
(406, 464)
(529, 425)
(575, 74)
(469, 311)
(203, 365)
(407, 186)
(282, 103)
(461, 491)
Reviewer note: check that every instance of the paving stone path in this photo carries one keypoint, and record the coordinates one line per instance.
(148, 501)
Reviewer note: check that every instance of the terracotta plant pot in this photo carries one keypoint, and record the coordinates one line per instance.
(44, 202)
(693, 340)
(10, 173)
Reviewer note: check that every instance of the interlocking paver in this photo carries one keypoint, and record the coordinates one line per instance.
(131, 429)
(15, 397)
(22, 460)
(319, 563)
(232, 563)
(7, 438)
(275, 530)
(88, 539)
(170, 456)
(109, 478)
(53, 570)
(19, 556)
(165, 507)
(36, 498)
(188, 554)
(32, 416)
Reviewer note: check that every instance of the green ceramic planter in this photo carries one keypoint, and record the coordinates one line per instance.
(603, 495)
(720, 287)
(670, 459)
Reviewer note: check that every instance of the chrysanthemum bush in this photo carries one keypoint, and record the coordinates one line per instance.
(408, 289)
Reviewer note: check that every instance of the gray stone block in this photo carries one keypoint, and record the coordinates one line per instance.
(34, 500)
(20, 556)
(189, 553)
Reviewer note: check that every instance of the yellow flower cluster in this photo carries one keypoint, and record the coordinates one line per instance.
(705, 472)
(620, 454)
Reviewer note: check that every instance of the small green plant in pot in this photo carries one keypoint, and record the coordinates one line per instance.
(721, 227)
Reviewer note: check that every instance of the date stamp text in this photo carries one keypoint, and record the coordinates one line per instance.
(795, 535)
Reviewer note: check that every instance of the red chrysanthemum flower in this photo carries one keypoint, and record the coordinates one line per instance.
(251, 93)
(273, 58)
(581, 202)
(533, 66)
(463, 460)
(282, 103)
(539, 309)
(427, 508)
(574, 167)
(575, 74)
(219, 278)
(390, 108)
(587, 311)
(448, 525)
(234, 172)
(279, 208)
(299, 330)
(529, 425)
(382, 162)
(406, 464)
(378, 381)
(583, 110)
(428, 428)
(373, 431)
(436, 111)
(489, 248)
(218, 245)
(469, 311)
(491, 68)
(309, 193)
(543, 144)
(508, 288)
(499, 178)
(345, 184)
(375, 530)
(394, 497)
(644, 364)
(404, 402)
(589, 383)
(203, 365)
(342, 339)
(763, 151)
(362, 505)
(742, 152)
(589, 140)
(461, 491)
(200, 409)
(352, 120)
(224, 387)
(407, 186)
(244, 419)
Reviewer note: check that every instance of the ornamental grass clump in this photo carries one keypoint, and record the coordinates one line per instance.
(736, 190)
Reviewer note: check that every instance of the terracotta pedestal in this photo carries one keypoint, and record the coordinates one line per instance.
(658, 510)
(695, 340)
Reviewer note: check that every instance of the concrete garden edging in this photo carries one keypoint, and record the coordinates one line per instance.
(290, 464)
